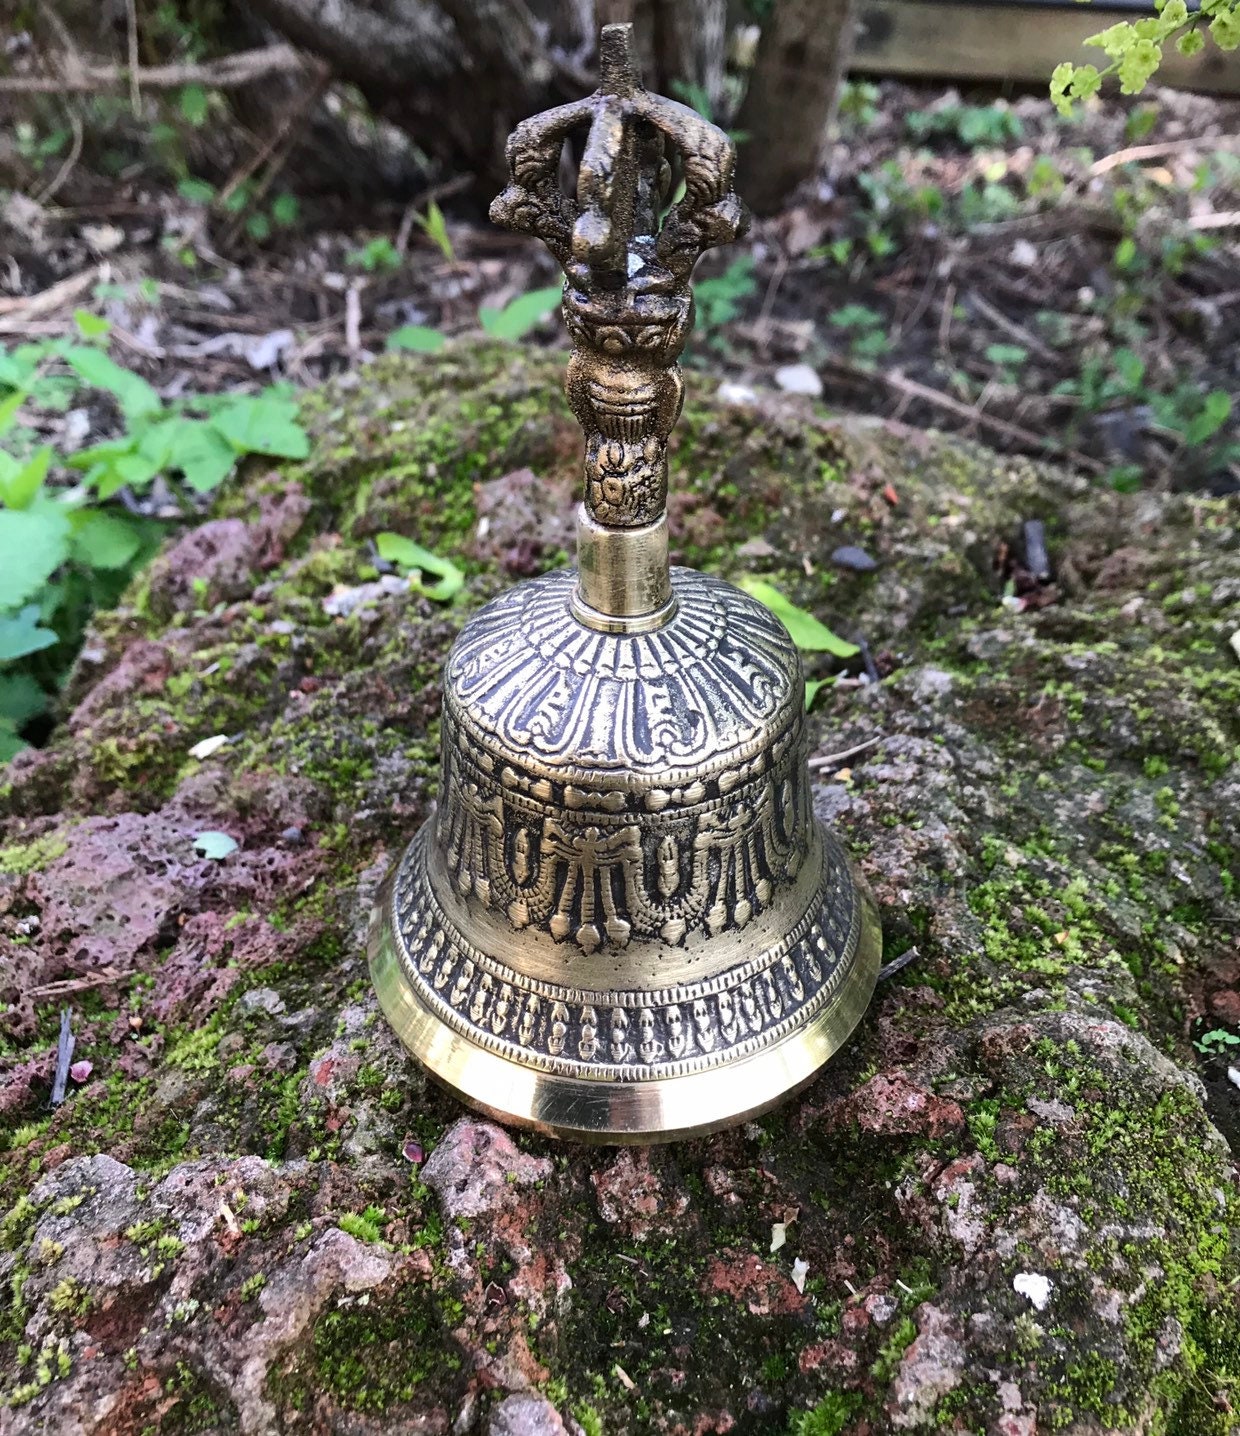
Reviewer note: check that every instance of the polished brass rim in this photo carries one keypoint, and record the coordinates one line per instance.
(633, 1112)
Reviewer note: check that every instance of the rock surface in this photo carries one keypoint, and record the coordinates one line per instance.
(1007, 1207)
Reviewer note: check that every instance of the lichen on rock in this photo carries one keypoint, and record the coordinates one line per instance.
(1006, 1207)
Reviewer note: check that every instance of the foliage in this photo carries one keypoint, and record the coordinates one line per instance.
(971, 125)
(375, 255)
(718, 301)
(64, 548)
(809, 634)
(414, 560)
(1135, 48)
(520, 315)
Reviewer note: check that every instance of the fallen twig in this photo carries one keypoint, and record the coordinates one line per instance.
(30, 306)
(832, 760)
(1161, 151)
(889, 969)
(228, 73)
(68, 985)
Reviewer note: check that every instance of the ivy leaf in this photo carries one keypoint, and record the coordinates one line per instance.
(21, 633)
(417, 338)
(806, 631)
(103, 540)
(517, 318)
(133, 393)
(34, 542)
(412, 557)
(263, 425)
(1214, 413)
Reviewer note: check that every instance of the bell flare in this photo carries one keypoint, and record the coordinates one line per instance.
(623, 923)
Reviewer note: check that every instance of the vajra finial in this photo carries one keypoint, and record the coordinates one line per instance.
(627, 258)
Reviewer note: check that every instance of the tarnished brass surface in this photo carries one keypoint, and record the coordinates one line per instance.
(623, 922)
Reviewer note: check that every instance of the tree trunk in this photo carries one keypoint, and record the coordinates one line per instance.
(791, 98)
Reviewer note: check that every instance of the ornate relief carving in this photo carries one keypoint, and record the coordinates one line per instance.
(624, 1035)
(627, 257)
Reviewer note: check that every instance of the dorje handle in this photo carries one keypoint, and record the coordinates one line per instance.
(628, 306)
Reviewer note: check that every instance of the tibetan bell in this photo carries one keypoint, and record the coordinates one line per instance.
(623, 922)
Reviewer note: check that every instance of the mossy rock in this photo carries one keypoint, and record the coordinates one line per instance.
(1005, 1207)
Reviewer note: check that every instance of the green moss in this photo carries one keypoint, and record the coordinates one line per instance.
(374, 1356)
(828, 1418)
(31, 857)
(363, 1225)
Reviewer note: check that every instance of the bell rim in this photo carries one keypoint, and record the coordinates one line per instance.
(636, 1112)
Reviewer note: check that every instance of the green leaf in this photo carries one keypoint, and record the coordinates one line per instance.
(806, 631)
(21, 633)
(34, 542)
(1215, 411)
(416, 337)
(1006, 355)
(91, 326)
(200, 451)
(258, 226)
(194, 103)
(103, 540)
(14, 374)
(412, 557)
(133, 393)
(197, 191)
(214, 845)
(10, 743)
(21, 699)
(285, 209)
(263, 425)
(518, 318)
(9, 408)
(812, 685)
(20, 484)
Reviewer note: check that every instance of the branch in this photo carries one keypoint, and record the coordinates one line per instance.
(225, 74)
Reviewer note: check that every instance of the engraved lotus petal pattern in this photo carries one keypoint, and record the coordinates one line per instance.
(695, 695)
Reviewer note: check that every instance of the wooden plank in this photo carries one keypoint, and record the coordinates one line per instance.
(1019, 41)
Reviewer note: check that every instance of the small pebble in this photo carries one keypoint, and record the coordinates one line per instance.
(80, 1071)
(799, 379)
(293, 836)
(855, 558)
(1035, 1286)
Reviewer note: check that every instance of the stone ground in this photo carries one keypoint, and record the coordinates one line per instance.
(1006, 1207)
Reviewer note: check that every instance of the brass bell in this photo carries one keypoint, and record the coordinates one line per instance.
(623, 922)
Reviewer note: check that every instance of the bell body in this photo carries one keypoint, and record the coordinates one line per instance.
(623, 922)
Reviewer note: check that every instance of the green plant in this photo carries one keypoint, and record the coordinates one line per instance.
(414, 560)
(522, 315)
(858, 103)
(972, 125)
(718, 301)
(1216, 1041)
(866, 331)
(1134, 48)
(365, 1225)
(375, 255)
(436, 229)
(64, 549)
